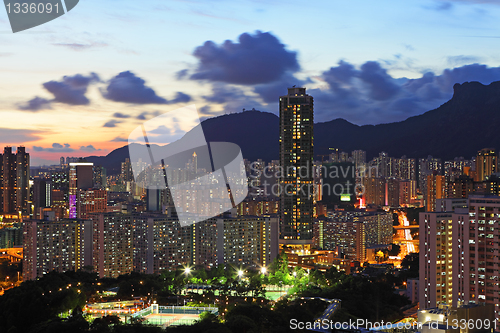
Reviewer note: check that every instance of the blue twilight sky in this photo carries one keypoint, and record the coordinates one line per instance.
(80, 84)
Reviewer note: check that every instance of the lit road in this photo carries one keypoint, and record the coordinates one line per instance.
(13, 254)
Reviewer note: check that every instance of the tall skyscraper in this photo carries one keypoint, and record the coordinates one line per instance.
(81, 177)
(15, 174)
(428, 166)
(436, 189)
(296, 161)
(359, 157)
(459, 253)
(486, 163)
(444, 261)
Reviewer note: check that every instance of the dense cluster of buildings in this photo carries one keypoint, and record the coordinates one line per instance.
(335, 212)
(459, 250)
(112, 244)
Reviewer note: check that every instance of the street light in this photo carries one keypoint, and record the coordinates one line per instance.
(240, 273)
(187, 270)
(263, 270)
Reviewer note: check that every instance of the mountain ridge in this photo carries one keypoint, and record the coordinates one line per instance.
(469, 121)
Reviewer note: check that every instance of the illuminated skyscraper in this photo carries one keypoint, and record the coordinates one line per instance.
(80, 178)
(15, 174)
(486, 163)
(296, 159)
(444, 258)
(436, 189)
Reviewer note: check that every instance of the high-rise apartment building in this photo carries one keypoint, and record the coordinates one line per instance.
(352, 232)
(62, 245)
(444, 259)
(112, 243)
(484, 247)
(359, 157)
(100, 179)
(160, 243)
(374, 190)
(296, 161)
(81, 177)
(486, 163)
(436, 189)
(15, 174)
(91, 201)
(459, 261)
(428, 166)
(237, 240)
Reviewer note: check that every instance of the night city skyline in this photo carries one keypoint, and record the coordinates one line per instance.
(250, 166)
(370, 66)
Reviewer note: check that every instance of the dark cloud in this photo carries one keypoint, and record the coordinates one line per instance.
(118, 139)
(232, 99)
(370, 95)
(381, 85)
(254, 59)
(35, 104)
(120, 115)
(71, 89)
(145, 115)
(180, 97)
(126, 87)
(462, 60)
(111, 123)
(89, 148)
(182, 74)
(56, 148)
(222, 93)
(142, 116)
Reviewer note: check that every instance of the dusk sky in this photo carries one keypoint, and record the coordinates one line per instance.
(79, 85)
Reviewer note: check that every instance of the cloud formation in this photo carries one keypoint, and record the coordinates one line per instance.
(64, 148)
(35, 104)
(370, 95)
(254, 59)
(118, 139)
(120, 115)
(126, 87)
(111, 123)
(81, 46)
(89, 148)
(144, 115)
(56, 148)
(70, 90)
(231, 98)
(11, 136)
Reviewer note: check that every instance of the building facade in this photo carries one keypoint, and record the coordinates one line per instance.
(296, 161)
(15, 174)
